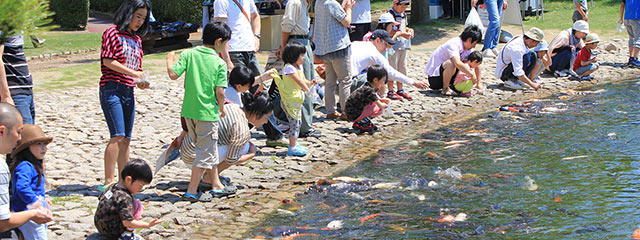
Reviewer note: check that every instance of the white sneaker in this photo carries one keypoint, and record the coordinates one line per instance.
(560, 74)
(572, 73)
(537, 80)
(488, 53)
(523, 84)
(512, 85)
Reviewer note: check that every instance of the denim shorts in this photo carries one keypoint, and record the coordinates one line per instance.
(118, 105)
(586, 68)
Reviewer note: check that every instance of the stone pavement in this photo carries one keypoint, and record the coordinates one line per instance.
(74, 164)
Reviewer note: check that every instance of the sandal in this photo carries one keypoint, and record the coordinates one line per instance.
(102, 188)
(226, 191)
(204, 197)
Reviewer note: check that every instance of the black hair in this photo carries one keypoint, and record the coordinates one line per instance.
(473, 32)
(27, 155)
(125, 12)
(241, 75)
(212, 31)
(382, 26)
(525, 37)
(475, 56)
(292, 52)
(376, 71)
(138, 169)
(358, 100)
(257, 104)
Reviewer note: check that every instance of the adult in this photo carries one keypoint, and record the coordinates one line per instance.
(515, 62)
(121, 66)
(295, 27)
(16, 83)
(360, 20)
(244, 20)
(10, 128)
(370, 53)
(565, 46)
(333, 47)
(494, 9)
(234, 146)
(581, 10)
(630, 16)
(442, 72)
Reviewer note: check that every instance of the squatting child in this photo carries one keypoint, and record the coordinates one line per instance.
(586, 63)
(364, 103)
(116, 213)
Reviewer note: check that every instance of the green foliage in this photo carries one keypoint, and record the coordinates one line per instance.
(163, 10)
(71, 13)
(22, 16)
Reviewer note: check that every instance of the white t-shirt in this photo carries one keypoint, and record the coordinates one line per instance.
(366, 55)
(242, 38)
(5, 177)
(512, 53)
(230, 93)
(452, 48)
(361, 12)
(289, 69)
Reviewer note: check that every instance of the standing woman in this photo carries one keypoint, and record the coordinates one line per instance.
(121, 68)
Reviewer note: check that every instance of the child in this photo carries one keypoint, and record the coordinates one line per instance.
(364, 102)
(121, 67)
(241, 79)
(28, 178)
(114, 217)
(462, 83)
(543, 61)
(585, 65)
(293, 87)
(399, 57)
(203, 105)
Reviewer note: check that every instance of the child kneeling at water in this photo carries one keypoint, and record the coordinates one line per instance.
(28, 179)
(118, 213)
(364, 102)
(586, 63)
(462, 83)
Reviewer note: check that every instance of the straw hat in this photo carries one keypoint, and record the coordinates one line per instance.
(535, 34)
(30, 134)
(592, 38)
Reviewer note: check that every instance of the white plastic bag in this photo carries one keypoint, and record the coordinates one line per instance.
(621, 27)
(474, 19)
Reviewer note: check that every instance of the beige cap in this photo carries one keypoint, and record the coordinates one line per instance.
(535, 34)
(592, 38)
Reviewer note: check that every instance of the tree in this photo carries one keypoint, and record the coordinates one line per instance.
(419, 12)
(22, 16)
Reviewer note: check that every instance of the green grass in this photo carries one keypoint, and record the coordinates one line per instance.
(603, 17)
(62, 200)
(380, 5)
(60, 42)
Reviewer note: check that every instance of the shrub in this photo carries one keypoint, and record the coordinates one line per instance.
(163, 10)
(23, 15)
(70, 13)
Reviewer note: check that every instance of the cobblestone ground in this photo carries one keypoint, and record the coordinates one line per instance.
(74, 164)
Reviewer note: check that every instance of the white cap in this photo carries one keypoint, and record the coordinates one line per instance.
(582, 26)
(387, 18)
(542, 46)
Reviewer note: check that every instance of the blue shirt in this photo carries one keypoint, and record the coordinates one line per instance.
(631, 9)
(25, 188)
(330, 35)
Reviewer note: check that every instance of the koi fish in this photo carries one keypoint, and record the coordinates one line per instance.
(369, 217)
(575, 157)
(456, 142)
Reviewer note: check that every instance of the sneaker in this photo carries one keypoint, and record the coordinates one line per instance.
(635, 64)
(559, 74)
(591, 77)
(571, 72)
(512, 85)
(584, 78)
(312, 133)
(278, 143)
(393, 96)
(488, 53)
(467, 94)
(404, 94)
(297, 151)
(538, 80)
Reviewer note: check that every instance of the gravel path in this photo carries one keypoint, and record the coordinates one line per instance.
(74, 165)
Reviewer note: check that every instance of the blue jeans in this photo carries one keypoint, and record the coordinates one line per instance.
(119, 107)
(561, 61)
(24, 104)
(529, 61)
(494, 8)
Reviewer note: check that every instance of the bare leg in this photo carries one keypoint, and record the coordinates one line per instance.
(399, 84)
(110, 157)
(215, 179)
(196, 175)
(449, 70)
(223, 166)
(390, 85)
(123, 154)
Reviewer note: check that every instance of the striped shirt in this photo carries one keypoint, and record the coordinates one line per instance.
(123, 47)
(5, 175)
(330, 35)
(233, 131)
(15, 65)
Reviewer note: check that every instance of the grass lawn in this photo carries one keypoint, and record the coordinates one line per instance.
(60, 42)
(603, 17)
(380, 5)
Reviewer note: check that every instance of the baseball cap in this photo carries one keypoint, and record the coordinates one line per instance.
(387, 18)
(382, 34)
(582, 26)
(542, 46)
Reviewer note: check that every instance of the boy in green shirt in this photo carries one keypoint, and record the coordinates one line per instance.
(203, 105)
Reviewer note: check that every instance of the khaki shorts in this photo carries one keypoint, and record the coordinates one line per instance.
(205, 139)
